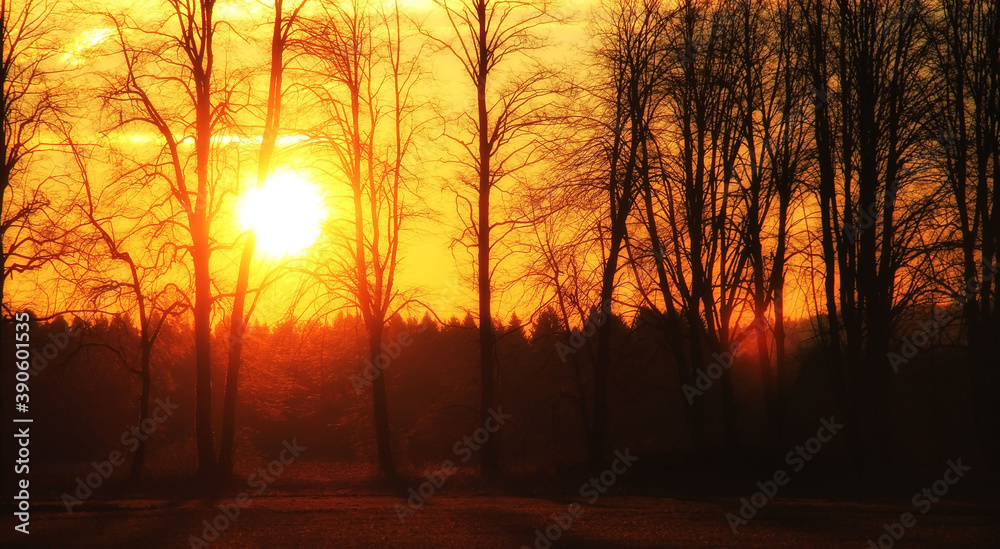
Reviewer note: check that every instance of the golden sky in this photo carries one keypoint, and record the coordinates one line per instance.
(436, 271)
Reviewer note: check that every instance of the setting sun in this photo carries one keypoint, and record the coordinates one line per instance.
(286, 213)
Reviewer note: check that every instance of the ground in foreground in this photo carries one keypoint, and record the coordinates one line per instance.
(373, 521)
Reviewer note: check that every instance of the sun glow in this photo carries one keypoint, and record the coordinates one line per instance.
(86, 44)
(285, 213)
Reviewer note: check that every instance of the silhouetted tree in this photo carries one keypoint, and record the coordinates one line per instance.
(239, 319)
(965, 131)
(28, 107)
(159, 66)
(633, 55)
(867, 165)
(369, 104)
(144, 290)
(488, 35)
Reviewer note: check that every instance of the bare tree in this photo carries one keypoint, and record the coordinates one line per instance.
(968, 73)
(565, 280)
(282, 29)
(768, 83)
(633, 55)
(700, 199)
(28, 106)
(369, 104)
(488, 36)
(144, 290)
(178, 60)
(866, 162)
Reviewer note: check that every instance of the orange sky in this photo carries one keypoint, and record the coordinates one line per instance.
(440, 273)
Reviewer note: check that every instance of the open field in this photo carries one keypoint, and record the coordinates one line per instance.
(479, 521)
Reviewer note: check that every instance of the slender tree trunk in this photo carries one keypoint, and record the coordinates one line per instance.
(778, 288)
(203, 353)
(380, 404)
(140, 452)
(200, 246)
(236, 332)
(603, 363)
(237, 325)
(489, 454)
(816, 47)
(694, 413)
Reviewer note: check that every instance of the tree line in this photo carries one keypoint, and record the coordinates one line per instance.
(714, 170)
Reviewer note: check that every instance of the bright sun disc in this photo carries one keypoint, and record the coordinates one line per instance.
(285, 214)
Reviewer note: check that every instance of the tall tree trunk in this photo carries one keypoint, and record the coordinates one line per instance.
(200, 246)
(695, 412)
(603, 363)
(816, 47)
(489, 457)
(380, 404)
(140, 452)
(237, 326)
(203, 352)
(778, 290)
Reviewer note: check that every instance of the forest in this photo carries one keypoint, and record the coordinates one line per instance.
(508, 240)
